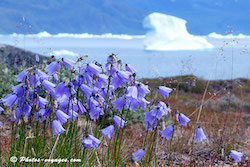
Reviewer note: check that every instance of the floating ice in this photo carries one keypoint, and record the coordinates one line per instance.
(45, 34)
(228, 36)
(170, 33)
(62, 53)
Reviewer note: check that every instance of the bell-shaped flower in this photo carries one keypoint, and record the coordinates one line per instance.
(111, 69)
(47, 112)
(27, 111)
(108, 131)
(55, 78)
(150, 117)
(62, 116)
(101, 80)
(39, 115)
(81, 108)
(61, 90)
(119, 103)
(236, 155)
(41, 101)
(16, 115)
(19, 90)
(57, 127)
(116, 82)
(119, 122)
(9, 100)
(142, 89)
(34, 80)
(95, 112)
(123, 76)
(91, 142)
(93, 69)
(163, 107)
(68, 63)
(22, 76)
(137, 156)
(183, 120)
(149, 126)
(73, 115)
(132, 92)
(167, 132)
(50, 87)
(52, 67)
(164, 91)
(42, 75)
(199, 135)
(130, 68)
(87, 91)
(158, 112)
(133, 104)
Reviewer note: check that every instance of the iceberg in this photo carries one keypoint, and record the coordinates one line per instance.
(170, 33)
(62, 53)
(45, 34)
(228, 36)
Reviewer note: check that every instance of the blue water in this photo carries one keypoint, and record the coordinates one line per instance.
(229, 59)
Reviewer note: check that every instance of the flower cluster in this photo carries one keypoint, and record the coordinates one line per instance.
(95, 91)
(42, 94)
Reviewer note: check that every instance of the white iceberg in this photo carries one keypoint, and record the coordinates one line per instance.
(228, 36)
(62, 53)
(170, 33)
(45, 34)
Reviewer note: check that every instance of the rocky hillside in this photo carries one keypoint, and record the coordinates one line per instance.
(15, 56)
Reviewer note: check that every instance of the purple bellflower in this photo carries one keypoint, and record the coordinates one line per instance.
(118, 122)
(137, 156)
(9, 100)
(48, 86)
(142, 89)
(150, 117)
(199, 134)
(42, 75)
(52, 67)
(132, 92)
(130, 68)
(87, 91)
(19, 90)
(183, 120)
(62, 116)
(22, 76)
(81, 108)
(119, 103)
(93, 69)
(108, 131)
(68, 63)
(55, 78)
(164, 91)
(57, 127)
(167, 132)
(73, 115)
(61, 90)
(91, 142)
(95, 112)
(236, 155)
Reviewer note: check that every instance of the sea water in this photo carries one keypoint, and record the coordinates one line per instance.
(228, 59)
